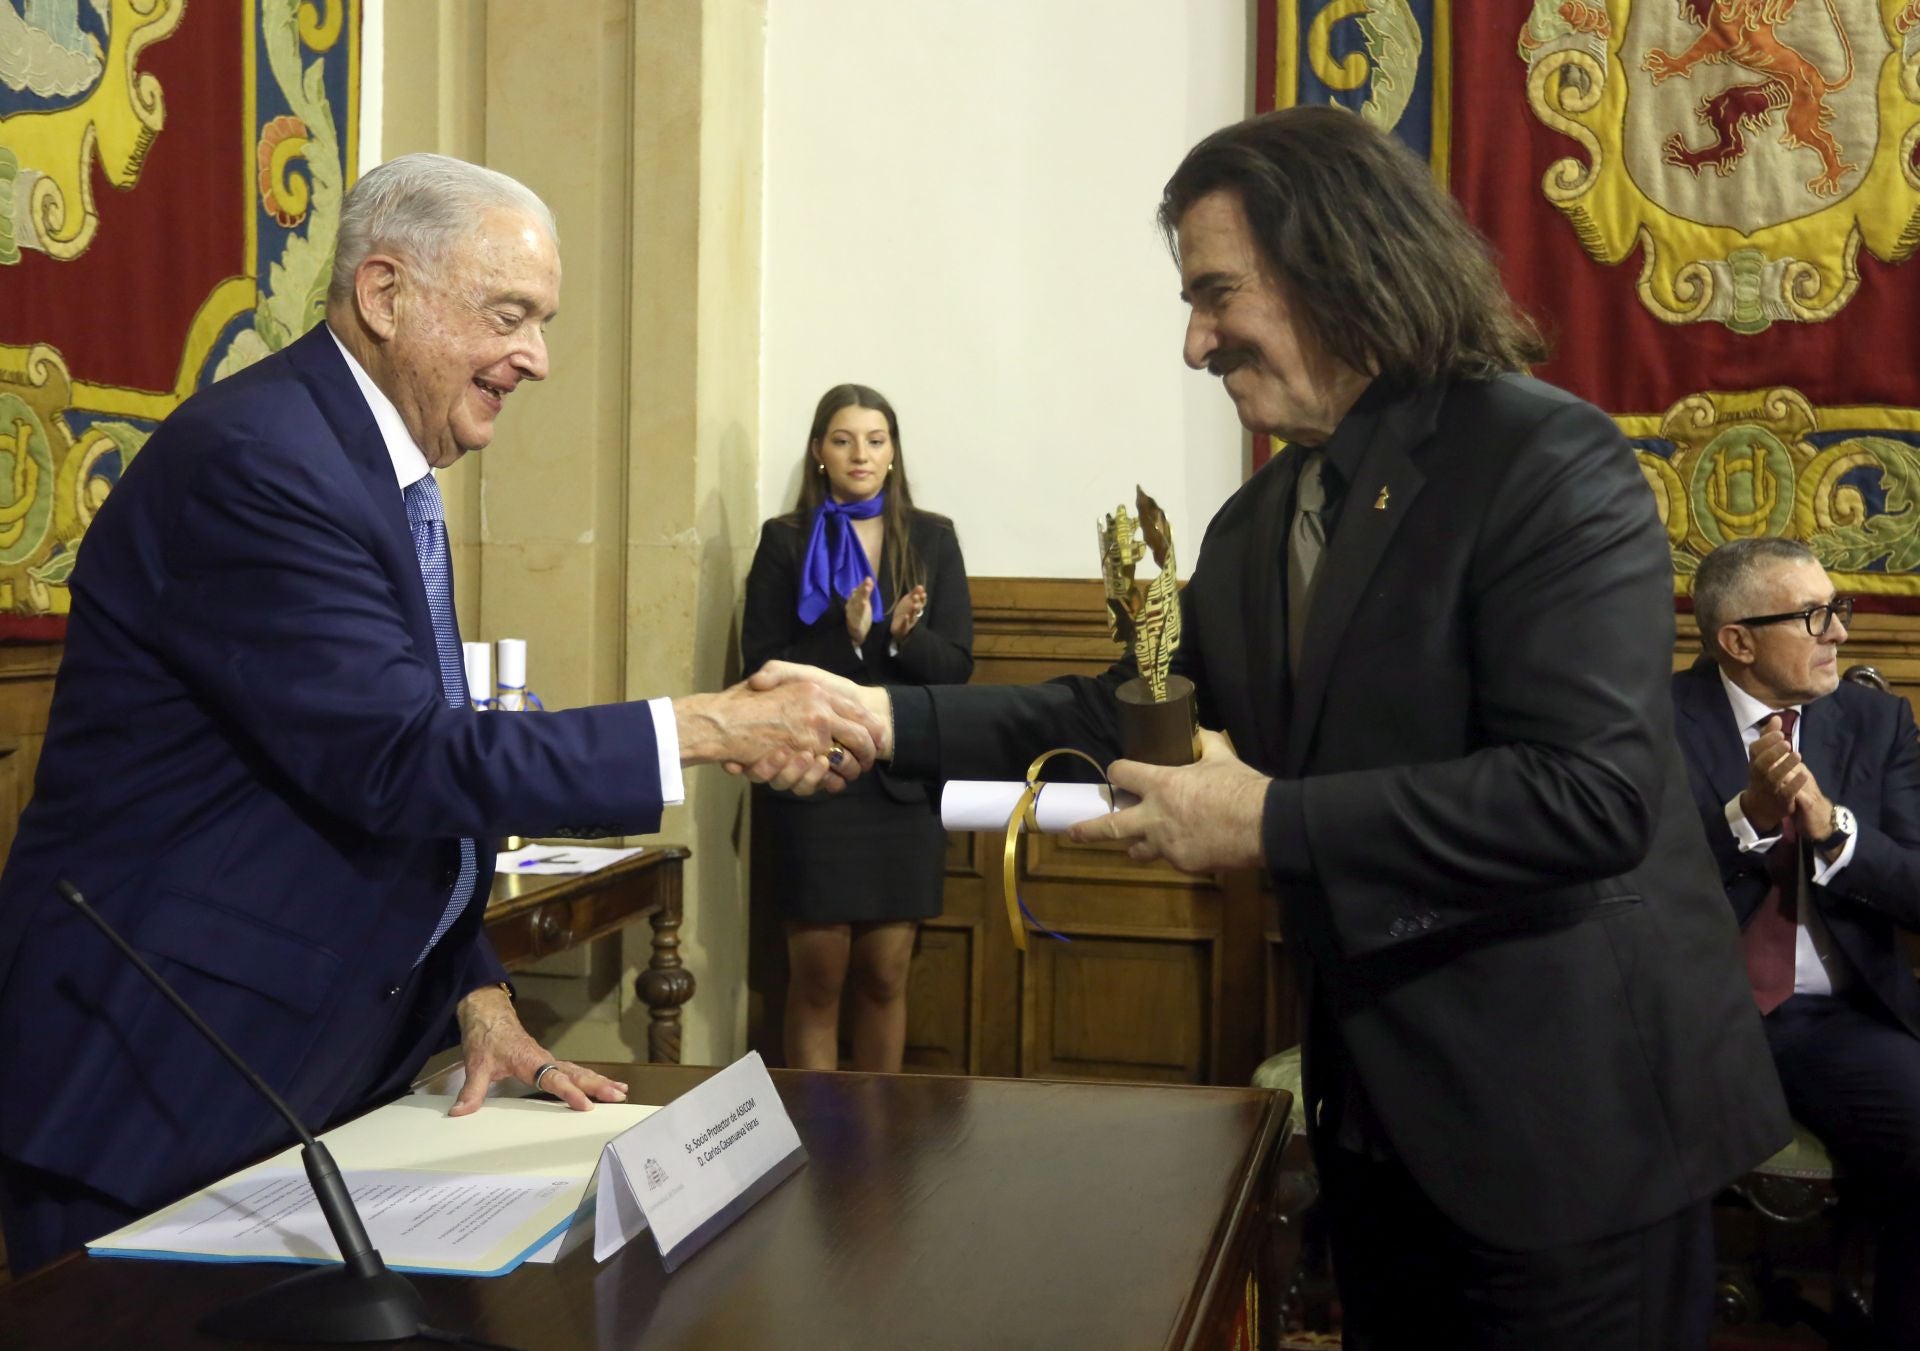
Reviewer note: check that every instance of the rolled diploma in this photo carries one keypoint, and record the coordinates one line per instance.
(972, 804)
(513, 672)
(479, 662)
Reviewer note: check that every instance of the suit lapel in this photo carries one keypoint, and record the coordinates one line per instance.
(1820, 744)
(1263, 603)
(1382, 492)
(324, 372)
(1707, 718)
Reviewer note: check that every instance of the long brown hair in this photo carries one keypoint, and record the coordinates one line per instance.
(897, 556)
(1377, 259)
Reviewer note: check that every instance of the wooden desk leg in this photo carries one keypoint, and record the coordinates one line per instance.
(666, 984)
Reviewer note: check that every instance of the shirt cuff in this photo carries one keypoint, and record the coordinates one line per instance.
(1826, 871)
(666, 740)
(1283, 830)
(1750, 840)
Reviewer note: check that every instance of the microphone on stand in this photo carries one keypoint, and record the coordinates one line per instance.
(360, 1301)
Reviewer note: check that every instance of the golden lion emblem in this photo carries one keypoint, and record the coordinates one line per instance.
(1744, 32)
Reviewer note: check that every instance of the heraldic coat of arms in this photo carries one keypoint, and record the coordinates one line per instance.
(1748, 148)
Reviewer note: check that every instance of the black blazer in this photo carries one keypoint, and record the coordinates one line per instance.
(936, 651)
(1479, 823)
(1861, 746)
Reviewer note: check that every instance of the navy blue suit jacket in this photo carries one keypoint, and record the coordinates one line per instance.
(250, 768)
(1861, 747)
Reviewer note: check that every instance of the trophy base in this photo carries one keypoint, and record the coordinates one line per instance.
(1159, 732)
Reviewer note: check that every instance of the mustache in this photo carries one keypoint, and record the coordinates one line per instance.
(1228, 360)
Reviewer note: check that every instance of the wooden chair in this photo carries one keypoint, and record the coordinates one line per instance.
(1790, 1191)
(1862, 674)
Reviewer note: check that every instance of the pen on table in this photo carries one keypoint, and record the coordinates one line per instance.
(550, 858)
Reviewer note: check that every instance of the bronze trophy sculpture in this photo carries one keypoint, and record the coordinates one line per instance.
(1159, 721)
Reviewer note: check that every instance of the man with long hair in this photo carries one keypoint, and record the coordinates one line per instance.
(1438, 630)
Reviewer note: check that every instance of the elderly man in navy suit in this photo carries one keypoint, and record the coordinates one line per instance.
(262, 763)
(1810, 791)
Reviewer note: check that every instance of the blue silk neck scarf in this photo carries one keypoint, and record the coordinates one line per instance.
(835, 563)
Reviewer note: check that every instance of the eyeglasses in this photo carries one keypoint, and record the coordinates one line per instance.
(1818, 618)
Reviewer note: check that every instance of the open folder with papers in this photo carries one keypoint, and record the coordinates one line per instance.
(473, 1195)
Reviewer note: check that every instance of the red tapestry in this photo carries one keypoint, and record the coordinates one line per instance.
(1707, 204)
(170, 177)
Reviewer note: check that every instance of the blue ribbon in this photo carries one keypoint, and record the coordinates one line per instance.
(835, 564)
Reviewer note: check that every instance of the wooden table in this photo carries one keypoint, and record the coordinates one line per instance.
(934, 1212)
(529, 918)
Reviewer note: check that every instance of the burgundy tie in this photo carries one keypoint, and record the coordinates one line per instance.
(1771, 935)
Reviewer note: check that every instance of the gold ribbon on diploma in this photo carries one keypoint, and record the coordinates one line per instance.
(1025, 815)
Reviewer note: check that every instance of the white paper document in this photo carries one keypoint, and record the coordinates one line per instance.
(473, 1195)
(972, 804)
(554, 860)
(418, 1220)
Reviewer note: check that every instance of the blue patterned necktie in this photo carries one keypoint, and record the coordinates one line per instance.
(429, 525)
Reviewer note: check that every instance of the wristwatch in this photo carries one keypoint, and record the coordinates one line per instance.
(1843, 830)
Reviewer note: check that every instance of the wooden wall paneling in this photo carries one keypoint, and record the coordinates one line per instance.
(1254, 899)
(766, 950)
(1118, 1003)
(1888, 643)
(946, 983)
(943, 1004)
(1075, 888)
(1257, 995)
(1034, 628)
(26, 695)
(12, 797)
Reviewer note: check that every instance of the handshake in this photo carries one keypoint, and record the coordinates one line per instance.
(788, 726)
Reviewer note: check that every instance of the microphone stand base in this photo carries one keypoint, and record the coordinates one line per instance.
(327, 1304)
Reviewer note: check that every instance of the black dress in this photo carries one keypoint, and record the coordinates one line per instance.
(874, 853)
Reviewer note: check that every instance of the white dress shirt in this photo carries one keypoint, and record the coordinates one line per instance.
(1817, 969)
(410, 466)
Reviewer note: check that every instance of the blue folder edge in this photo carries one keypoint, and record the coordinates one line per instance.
(157, 1256)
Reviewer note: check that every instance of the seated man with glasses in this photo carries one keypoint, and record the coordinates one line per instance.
(1810, 791)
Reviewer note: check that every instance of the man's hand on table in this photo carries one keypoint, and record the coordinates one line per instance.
(494, 1046)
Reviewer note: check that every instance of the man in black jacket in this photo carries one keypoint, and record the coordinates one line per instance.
(1439, 628)
(1810, 791)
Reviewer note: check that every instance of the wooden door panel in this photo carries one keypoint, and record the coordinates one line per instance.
(1121, 1008)
(943, 997)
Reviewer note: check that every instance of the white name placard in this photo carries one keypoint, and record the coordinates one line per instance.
(696, 1165)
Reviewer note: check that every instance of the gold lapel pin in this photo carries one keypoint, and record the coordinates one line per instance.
(1380, 502)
